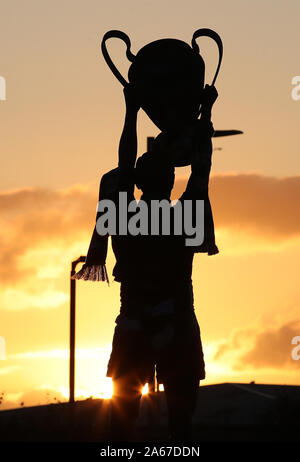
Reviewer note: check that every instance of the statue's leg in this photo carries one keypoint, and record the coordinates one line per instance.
(130, 366)
(181, 396)
(127, 392)
(180, 368)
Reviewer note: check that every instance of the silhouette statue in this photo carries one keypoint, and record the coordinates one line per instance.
(157, 324)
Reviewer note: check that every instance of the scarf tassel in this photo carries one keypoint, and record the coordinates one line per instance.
(92, 273)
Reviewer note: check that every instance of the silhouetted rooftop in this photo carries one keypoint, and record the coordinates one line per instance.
(225, 412)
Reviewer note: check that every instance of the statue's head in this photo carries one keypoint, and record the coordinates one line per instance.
(154, 176)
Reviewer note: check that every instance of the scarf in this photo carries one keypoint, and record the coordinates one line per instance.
(94, 268)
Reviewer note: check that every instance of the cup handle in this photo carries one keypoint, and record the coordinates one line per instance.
(212, 34)
(120, 35)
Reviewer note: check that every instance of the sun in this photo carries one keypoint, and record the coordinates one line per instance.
(145, 389)
(107, 389)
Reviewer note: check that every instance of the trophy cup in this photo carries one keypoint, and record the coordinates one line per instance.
(168, 77)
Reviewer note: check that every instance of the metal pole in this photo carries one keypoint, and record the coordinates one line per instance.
(72, 328)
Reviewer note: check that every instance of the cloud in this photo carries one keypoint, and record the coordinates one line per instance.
(33, 397)
(262, 348)
(261, 205)
(18, 299)
(9, 369)
(64, 354)
(236, 342)
(272, 348)
(36, 218)
(38, 227)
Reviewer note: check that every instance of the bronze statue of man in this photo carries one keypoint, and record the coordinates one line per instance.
(157, 325)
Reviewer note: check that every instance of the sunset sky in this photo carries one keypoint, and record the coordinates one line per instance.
(59, 132)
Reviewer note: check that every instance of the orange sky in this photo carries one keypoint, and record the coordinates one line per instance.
(60, 127)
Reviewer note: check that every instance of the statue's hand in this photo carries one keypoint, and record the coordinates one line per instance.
(131, 98)
(209, 96)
